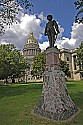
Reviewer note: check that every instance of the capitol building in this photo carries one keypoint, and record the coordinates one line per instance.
(31, 49)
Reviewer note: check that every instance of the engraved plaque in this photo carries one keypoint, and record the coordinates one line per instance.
(52, 59)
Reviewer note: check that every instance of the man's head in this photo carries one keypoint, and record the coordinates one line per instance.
(49, 17)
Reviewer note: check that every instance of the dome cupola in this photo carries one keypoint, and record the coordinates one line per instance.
(31, 39)
(31, 47)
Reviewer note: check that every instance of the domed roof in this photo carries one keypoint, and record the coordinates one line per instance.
(31, 39)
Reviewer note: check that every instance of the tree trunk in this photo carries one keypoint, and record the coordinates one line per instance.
(6, 80)
(13, 80)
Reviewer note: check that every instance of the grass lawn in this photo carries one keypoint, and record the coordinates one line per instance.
(18, 100)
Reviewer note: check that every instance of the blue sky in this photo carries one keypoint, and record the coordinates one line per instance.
(63, 11)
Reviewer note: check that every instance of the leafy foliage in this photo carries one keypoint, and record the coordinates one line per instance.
(12, 62)
(80, 57)
(25, 4)
(39, 64)
(79, 7)
(9, 10)
(65, 68)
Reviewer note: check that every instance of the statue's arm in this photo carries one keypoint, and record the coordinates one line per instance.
(56, 26)
(45, 31)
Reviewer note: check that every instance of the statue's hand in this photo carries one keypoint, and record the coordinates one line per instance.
(45, 34)
(58, 32)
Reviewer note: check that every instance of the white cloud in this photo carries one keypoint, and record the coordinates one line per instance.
(77, 33)
(18, 33)
(61, 29)
(4, 42)
(76, 37)
(42, 17)
(74, 41)
(44, 45)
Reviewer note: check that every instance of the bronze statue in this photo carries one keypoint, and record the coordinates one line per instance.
(51, 30)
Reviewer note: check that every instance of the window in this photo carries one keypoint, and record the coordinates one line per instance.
(67, 58)
(74, 58)
(68, 65)
(81, 74)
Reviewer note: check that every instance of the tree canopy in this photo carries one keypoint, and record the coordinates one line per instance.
(12, 62)
(80, 57)
(39, 64)
(79, 7)
(65, 68)
(9, 10)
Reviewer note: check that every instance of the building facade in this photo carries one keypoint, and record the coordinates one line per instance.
(30, 50)
(70, 57)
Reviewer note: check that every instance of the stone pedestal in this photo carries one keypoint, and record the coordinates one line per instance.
(52, 57)
(55, 102)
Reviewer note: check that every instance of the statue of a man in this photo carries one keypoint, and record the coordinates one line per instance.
(51, 30)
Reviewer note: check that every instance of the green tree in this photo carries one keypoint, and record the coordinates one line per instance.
(65, 68)
(80, 57)
(9, 10)
(79, 7)
(39, 64)
(12, 62)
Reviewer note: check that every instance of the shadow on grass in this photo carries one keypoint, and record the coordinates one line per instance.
(74, 90)
(13, 90)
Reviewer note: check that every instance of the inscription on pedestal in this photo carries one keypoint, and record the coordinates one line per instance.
(52, 59)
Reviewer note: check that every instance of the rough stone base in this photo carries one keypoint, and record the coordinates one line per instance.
(55, 102)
